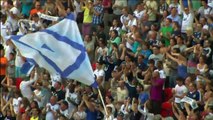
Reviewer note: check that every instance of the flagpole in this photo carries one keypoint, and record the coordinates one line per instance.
(102, 101)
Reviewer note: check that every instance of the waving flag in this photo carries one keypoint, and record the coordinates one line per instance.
(59, 49)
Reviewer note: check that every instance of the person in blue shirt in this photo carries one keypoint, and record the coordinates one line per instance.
(143, 96)
(193, 92)
(91, 109)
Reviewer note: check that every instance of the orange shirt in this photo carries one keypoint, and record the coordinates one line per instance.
(3, 66)
(34, 11)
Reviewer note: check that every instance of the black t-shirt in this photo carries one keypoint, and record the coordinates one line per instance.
(60, 94)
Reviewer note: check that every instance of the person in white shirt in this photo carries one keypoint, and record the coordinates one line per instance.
(139, 11)
(6, 28)
(188, 17)
(126, 107)
(51, 108)
(131, 22)
(25, 86)
(99, 73)
(80, 114)
(72, 97)
(205, 10)
(179, 91)
(13, 14)
(16, 102)
(146, 111)
(64, 109)
(124, 19)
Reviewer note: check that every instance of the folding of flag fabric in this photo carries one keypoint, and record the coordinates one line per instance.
(59, 49)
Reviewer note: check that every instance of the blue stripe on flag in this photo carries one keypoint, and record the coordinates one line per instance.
(75, 45)
(71, 17)
(17, 39)
(66, 40)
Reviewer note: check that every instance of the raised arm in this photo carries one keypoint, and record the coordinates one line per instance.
(190, 6)
(171, 57)
(181, 6)
(88, 103)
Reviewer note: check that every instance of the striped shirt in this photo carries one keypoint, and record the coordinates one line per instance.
(98, 19)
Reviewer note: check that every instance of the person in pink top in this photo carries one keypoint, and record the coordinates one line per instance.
(156, 92)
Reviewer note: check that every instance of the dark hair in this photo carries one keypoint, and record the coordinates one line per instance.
(156, 47)
(3, 15)
(115, 45)
(176, 23)
(194, 85)
(65, 103)
(36, 104)
(35, 15)
(173, 38)
(146, 44)
(9, 2)
(163, 42)
(169, 19)
(13, 54)
(204, 1)
(151, 61)
(141, 86)
(101, 25)
(177, 50)
(180, 36)
(116, 32)
(1, 47)
(111, 98)
(179, 79)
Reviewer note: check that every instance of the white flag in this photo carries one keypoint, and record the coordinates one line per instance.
(59, 49)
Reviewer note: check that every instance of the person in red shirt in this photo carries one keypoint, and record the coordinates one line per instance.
(3, 63)
(37, 9)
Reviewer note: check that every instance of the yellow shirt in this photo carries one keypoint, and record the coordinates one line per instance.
(32, 118)
(87, 15)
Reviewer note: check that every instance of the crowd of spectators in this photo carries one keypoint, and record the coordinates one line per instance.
(152, 60)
